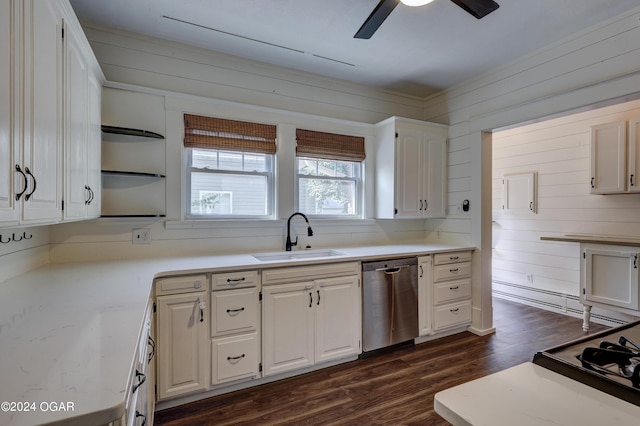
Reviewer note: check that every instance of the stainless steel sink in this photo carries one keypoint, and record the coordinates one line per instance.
(293, 255)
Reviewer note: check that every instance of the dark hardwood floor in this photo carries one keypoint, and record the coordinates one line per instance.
(392, 388)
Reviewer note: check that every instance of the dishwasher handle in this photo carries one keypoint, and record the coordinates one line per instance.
(393, 270)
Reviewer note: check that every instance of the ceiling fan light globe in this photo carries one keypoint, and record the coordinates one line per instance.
(415, 2)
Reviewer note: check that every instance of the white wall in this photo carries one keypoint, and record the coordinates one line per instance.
(559, 151)
(599, 65)
(22, 249)
(162, 112)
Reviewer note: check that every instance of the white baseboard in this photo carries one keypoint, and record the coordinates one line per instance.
(561, 303)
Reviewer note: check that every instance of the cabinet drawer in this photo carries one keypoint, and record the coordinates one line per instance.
(451, 290)
(177, 285)
(451, 271)
(234, 280)
(234, 311)
(309, 273)
(452, 315)
(234, 358)
(454, 257)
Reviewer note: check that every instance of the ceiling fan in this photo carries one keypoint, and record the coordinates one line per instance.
(477, 8)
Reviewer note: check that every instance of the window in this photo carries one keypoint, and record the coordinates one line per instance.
(329, 174)
(229, 168)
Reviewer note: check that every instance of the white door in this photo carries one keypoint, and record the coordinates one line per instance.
(434, 174)
(183, 344)
(409, 160)
(94, 139)
(75, 130)
(8, 156)
(634, 156)
(608, 158)
(338, 313)
(288, 327)
(42, 139)
(611, 277)
(425, 289)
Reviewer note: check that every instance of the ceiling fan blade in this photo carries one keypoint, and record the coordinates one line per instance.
(478, 8)
(377, 17)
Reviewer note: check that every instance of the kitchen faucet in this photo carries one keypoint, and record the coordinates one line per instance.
(289, 244)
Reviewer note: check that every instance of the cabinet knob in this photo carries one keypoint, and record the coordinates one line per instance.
(197, 284)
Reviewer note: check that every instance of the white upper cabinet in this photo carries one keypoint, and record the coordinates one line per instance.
(44, 103)
(411, 169)
(42, 113)
(615, 157)
(82, 137)
(608, 158)
(8, 210)
(634, 155)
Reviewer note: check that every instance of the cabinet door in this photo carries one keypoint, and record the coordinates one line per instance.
(425, 287)
(338, 314)
(8, 205)
(42, 137)
(288, 327)
(608, 158)
(409, 161)
(76, 128)
(183, 344)
(611, 277)
(94, 142)
(634, 156)
(434, 175)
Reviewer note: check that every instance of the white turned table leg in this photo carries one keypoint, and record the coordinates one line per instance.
(586, 316)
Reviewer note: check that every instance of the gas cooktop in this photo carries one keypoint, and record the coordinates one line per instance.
(608, 361)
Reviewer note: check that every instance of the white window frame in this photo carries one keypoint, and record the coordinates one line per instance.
(359, 185)
(270, 176)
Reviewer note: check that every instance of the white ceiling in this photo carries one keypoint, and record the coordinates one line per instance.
(416, 50)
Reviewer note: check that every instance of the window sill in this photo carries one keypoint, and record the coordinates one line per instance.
(261, 223)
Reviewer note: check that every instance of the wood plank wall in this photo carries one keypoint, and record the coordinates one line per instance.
(559, 151)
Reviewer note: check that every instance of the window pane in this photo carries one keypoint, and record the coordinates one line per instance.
(307, 166)
(228, 194)
(326, 196)
(203, 159)
(256, 163)
(230, 160)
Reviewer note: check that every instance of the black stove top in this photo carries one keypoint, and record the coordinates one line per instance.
(608, 361)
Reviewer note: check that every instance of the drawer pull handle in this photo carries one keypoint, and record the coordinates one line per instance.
(454, 257)
(235, 280)
(456, 288)
(235, 358)
(152, 344)
(229, 311)
(141, 379)
(144, 418)
(454, 310)
(454, 270)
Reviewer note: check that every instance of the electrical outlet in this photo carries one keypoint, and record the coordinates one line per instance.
(141, 236)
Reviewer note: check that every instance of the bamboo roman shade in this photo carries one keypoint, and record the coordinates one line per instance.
(228, 135)
(329, 145)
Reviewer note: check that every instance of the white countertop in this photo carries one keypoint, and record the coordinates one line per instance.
(531, 395)
(68, 332)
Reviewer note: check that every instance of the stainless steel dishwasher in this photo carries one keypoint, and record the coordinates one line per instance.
(390, 302)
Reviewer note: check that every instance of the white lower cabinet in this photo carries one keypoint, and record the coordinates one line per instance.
(182, 341)
(451, 289)
(235, 341)
(314, 316)
(140, 393)
(425, 305)
(609, 279)
(235, 358)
